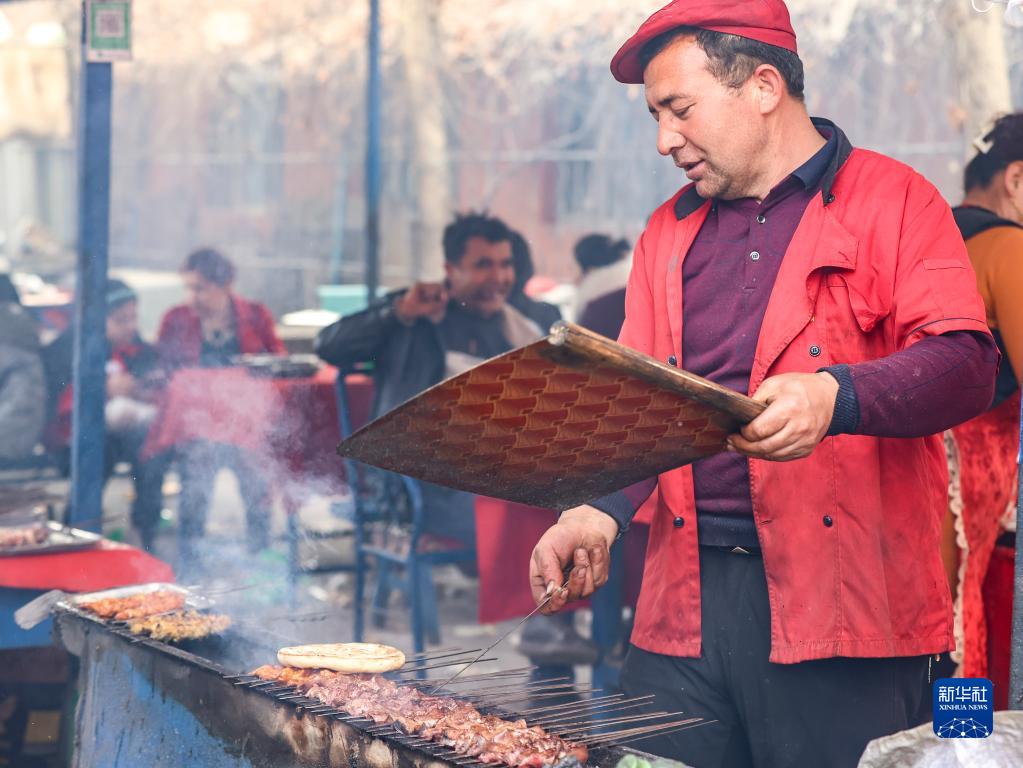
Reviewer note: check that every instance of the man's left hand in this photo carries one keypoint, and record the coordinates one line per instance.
(798, 414)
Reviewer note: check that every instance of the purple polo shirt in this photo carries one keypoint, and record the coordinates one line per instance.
(727, 278)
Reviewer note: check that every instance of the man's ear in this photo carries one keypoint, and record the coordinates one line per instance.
(769, 87)
(1013, 179)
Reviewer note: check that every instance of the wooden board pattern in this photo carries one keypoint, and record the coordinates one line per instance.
(555, 424)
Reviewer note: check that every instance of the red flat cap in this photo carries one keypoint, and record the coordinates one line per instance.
(764, 20)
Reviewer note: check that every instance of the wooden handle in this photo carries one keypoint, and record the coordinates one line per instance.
(600, 350)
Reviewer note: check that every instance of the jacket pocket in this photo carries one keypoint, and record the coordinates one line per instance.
(853, 311)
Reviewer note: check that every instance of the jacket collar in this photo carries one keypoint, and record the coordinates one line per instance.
(690, 200)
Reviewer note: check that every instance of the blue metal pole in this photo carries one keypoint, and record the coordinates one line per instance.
(90, 345)
(373, 154)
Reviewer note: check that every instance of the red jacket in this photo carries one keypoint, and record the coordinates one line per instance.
(869, 271)
(180, 337)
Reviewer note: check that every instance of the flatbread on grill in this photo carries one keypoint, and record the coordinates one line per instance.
(343, 657)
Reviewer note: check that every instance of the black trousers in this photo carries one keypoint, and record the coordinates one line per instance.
(818, 714)
(147, 477)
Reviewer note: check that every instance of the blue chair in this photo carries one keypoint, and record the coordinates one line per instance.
(389, 522)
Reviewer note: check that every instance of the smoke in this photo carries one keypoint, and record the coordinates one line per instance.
(278, 438)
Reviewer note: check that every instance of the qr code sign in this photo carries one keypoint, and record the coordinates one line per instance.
(110, 23)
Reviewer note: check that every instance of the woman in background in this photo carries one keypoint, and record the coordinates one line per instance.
(983, 451)
(212, 327)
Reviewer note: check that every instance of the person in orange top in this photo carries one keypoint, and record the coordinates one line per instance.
(983, 451)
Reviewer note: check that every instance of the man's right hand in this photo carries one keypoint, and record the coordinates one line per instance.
(427, 300)
(581, 539)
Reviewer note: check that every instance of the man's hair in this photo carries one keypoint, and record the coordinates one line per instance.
(212, 265)
(469, 225)
(1002, 145)
(733, 59)
(595, 251)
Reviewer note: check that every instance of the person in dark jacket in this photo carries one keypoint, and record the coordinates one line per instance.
(134, 378)
(420, 336)
(605, 266)
(540, 312)
(8, 293)
(22, 384)
(208, 331)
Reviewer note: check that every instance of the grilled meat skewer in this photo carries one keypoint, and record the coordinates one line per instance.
(445, 721)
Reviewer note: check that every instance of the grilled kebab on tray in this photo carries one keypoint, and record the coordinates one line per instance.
(136, 606)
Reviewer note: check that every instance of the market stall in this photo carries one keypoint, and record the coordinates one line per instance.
(35, 675)
(143, 701)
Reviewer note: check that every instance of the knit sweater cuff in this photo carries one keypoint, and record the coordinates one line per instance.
(619, 507)
(846, 417)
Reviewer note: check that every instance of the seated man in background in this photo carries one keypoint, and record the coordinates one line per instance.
(22, 382)
(208, 331)
(431, 331)
(134, 378)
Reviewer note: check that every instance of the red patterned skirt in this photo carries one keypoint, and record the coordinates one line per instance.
(982, 491)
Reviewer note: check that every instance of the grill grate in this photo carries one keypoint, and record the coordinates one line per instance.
(599, 721)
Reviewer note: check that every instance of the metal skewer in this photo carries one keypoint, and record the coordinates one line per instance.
(527, 617)
(576, 704)
(642, 732)
(614, 706)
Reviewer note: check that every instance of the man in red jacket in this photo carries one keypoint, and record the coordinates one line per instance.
(208, 331)
(793, 592)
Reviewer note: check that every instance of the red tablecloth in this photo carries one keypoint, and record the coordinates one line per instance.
(290, 424)
(506, 533)
(106, 566)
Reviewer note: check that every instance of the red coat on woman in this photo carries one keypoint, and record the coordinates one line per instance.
(180, 337)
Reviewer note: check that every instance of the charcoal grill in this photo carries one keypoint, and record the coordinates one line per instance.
(144, 702)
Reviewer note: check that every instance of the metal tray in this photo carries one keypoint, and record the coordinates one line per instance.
(61, 539)
(279, 366)
(73, 603)
(26, 517)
